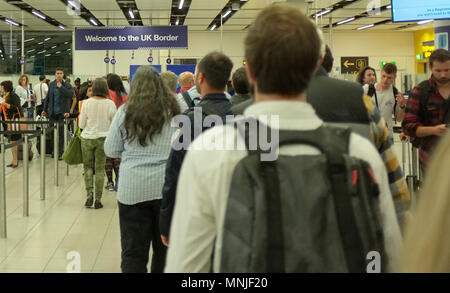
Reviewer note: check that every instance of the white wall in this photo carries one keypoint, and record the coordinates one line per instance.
(378, 46)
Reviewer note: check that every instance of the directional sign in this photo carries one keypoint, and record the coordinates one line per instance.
(150, 59)
(106, 59)
(353, 65)
(168, 61)
(113, 61)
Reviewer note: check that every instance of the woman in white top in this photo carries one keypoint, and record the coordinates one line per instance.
(95, 119)
(24, 93)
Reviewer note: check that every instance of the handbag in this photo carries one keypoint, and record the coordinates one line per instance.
(13, 126)
(73, 154)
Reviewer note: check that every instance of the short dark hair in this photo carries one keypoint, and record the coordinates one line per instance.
(282, 49)
(240, 81)
(362, 73)
(216, 67)
(41, 77)
(8, 85)
(59, 69)
(328, 59)
(390, 68)
(439, 55)
(100, 88)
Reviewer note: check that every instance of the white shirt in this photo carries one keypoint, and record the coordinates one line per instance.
(205, 180)
(24, 95)
(41, 90)
(386, 102)
(96, 117)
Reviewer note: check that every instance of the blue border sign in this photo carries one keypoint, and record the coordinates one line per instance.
(131, 38)
(113, 61)
(106, 59)
(150, 59)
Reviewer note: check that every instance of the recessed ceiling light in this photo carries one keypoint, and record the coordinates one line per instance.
(366, 26)
(11, 22)
(181, 4)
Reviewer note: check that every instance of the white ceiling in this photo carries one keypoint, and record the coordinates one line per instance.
(201, 13)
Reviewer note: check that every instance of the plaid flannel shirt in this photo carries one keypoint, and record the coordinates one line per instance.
(384, 144)
(435, 113)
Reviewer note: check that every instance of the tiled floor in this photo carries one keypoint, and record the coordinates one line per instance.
(61, 224)
(58, 225)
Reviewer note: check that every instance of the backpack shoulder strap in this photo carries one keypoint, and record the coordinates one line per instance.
(373, 92)
(187, 99)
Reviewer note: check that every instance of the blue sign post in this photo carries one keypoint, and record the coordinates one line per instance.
(106, 59)
(169, 61)
(131, 38)
(150, 59)
(113, 61)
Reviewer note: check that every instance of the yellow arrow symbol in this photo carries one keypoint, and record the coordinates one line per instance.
(346, 63)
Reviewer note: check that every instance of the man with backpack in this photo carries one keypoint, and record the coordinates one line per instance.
(386, 96)
(305, 211)
(427, 115)
(211, 78)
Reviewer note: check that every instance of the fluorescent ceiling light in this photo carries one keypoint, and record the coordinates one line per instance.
(71, 3)
(31, 51)
(131, 14)
(53, 47)
(38, 14)
(62, 27)
(41, 52)
(33, 56)
(178, 21)
(28, 40)
(11, 22)
(68, 49)
(226, 14)
(425, 21)
(213, 27)
(389, 7)
(93, 21)
(40, 43)
(47, 39)
(48, 55)
(323, 12)
(346, 20)
(65, 43)
(181, 4)
(58, 52)
(366, 26)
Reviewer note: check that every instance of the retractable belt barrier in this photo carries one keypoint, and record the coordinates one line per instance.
(410, 155)
(29, 134)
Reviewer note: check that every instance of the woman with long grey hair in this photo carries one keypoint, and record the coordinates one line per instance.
(140, 135)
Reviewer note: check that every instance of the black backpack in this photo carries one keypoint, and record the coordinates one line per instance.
(302, 213)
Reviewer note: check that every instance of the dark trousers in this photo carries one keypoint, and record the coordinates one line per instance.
(138, 229)
(53, 119)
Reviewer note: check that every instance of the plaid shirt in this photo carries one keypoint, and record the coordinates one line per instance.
(385, 146)
(435, 113)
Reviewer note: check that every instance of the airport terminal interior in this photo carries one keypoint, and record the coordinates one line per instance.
(45, 224)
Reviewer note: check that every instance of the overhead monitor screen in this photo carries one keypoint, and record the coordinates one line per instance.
(416, 10)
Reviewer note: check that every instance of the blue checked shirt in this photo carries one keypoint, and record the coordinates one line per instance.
(142, 169)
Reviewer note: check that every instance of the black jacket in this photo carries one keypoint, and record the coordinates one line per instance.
(215, 104)
(14, 100)
(239, 98)
(67, 94)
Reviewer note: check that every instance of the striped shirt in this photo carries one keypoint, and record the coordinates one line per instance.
(142, 169)
(384, 143)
